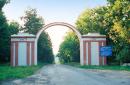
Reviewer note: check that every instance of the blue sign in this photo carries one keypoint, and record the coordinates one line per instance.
(105, 51)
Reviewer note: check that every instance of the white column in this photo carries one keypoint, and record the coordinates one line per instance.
(30, 46)
(22, 54)
(81, 52)
(13, 54)
(86, 53)
(35, 50)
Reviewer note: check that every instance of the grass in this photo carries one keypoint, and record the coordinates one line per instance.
(8, 72)
(117, 68)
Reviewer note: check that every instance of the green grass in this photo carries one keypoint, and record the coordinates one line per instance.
(8, 72)
(117, 68)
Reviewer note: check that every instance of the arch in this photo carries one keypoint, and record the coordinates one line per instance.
(60, 24)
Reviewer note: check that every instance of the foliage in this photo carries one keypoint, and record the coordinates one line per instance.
(112, 20)
(117, 68)
(45, 53)
(5, 31)
(119, 16)
(32, 24)
(14, 27)
(69, 49)
(91, 20)
(4, 39)
(7, 72)
(2, 3)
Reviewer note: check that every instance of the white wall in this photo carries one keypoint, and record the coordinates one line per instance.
(94, 53)
(13, 54)
(22, 54)
(86, 53)
(81, 52)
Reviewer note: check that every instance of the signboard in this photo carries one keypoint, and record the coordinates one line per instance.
(105, 51)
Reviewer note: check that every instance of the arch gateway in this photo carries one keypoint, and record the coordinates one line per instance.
(24, 47)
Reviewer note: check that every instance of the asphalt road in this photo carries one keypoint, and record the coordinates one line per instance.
(67, 75)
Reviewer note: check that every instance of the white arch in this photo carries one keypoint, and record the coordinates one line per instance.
(61, 24)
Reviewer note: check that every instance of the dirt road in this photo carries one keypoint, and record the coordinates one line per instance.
(67, 75)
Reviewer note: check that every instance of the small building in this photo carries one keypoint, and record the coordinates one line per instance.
(23, 49)
(91, 49)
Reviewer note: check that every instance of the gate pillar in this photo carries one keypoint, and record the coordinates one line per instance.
(91, 49)
(23, 50)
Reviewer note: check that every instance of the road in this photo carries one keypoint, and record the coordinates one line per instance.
(67, 75)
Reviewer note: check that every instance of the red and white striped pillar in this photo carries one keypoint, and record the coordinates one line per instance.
(23, 50)
(91, 49)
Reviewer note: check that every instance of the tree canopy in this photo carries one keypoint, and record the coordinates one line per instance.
(2, 3)
(69, 49)
(113, 20)
(32, 24)
(6, 29)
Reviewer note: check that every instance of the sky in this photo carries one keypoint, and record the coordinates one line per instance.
(52, 11)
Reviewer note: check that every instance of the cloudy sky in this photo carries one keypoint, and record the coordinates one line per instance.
(52, 11)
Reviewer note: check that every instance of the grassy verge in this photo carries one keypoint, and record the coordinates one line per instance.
(8, 72)
(118, 68)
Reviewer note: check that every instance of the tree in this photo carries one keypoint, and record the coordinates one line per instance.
(45, 52)
(119, 12)
(2, 3)
(14, 27)
(32, 24)
(5, 32)
(69, 49)
(4, 39)
(113, 21)
(92, 20)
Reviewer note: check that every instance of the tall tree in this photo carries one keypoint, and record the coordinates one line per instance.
(112, 20)
(5, 32)
(2, 3)
(4, 39)
(45, 52)
(32, 24)
(69, 49)
(119, 12)
(14, 27)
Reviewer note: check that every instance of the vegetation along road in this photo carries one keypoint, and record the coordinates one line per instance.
(68, 75)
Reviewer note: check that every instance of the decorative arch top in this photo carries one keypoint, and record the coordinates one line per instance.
(59, 24)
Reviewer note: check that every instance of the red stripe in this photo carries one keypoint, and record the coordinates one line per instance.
(84, 48)
(12, 54)
(100, 58)
(105, 59)
(89, 53)
(28, 53)
(16, 54)
(32, 52)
